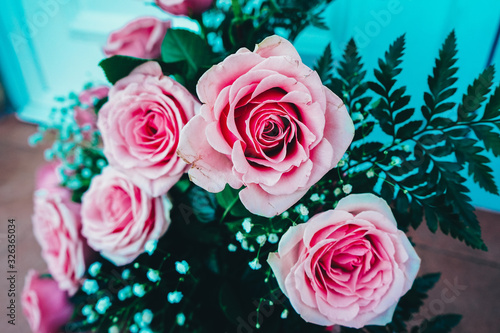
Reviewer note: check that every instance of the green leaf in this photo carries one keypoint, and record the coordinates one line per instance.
(366, 149)
(350, 67)
(492, 109)
(440, 324)
(476, 95)
(98, 105)
(364, 130)
(324, 65)
(118, 66)
(439, 122)
(404, 115)
(430, 218)
(389, 68)
(442, 79)
(469, 151)
(463, 223)
(489, 136)
(181, 45)
(318, 21)
(411, 302)
(409, 129)
(229, 200)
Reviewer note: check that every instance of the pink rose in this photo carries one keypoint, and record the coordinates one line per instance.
(267, 123)
(90, 96)
(45, 306)
(140, 38)
(119, 218)
(348, 266)
(57, 228)
(85, 114)
(47, 177)
(140, 127)
(184, 7)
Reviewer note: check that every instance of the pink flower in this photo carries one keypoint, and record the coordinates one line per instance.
(119, 218)
(47, 177)
(348, 266)
(140, 127)
(57, 228)
(184, 7)
(45, 306)
(267, 123)
(90, 96)
(140, 38)
(85, 114)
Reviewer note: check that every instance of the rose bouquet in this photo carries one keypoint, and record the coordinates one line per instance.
(220, 184)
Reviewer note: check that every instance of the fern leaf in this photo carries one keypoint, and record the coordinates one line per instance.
(442, 79)
(324, 65)
(476, 95)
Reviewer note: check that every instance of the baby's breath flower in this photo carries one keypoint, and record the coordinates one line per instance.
(147, 316)
(370, 173)
(87, 310)
(86, 173)
(153, 275)
(315, 197)
(125, 293)
(92, 317)
(138, 290)
(273, 238)
(180, 319)
(232, 248)
(126, 274)
(303, 210)
(247, 224)
(114, 329)
(101, 163)
(174, 297)
(347, 188)
(261, 239)
(90, 286)
(150, 246)
(395, 161)
(102, 305)
(95, 269)
(284, 314)
(181, 267)
(254, 264)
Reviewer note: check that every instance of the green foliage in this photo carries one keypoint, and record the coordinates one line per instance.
(389, 111)
(187, 48)
(440, 82)
(229, 200)
(117, 67)
(420, 167)
(324, 65)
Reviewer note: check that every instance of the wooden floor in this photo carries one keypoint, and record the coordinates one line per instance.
(470, 283)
